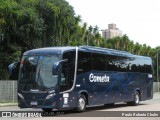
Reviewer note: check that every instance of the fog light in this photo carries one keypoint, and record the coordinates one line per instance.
(50, 95)
(21, 96)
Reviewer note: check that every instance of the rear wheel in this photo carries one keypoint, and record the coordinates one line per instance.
(136, 100)
(81, 103)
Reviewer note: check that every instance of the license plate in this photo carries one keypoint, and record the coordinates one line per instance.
(34, 103)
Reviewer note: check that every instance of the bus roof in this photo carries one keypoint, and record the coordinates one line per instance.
(59, 50)
(104, 50)
(49, 50)
(110, 51)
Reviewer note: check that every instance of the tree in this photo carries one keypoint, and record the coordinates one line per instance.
(29, 24)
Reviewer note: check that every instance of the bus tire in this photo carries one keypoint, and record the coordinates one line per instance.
(81, 103)
(136, 100)
(47, 109)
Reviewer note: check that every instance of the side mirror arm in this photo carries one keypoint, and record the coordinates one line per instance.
(55, 68)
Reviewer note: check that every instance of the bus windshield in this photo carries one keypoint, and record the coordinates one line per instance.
(36, 73)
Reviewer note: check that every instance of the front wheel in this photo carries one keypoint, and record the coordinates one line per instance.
(81, 103)
(136, 100)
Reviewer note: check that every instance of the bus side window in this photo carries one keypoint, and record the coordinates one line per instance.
(68, 68)
(112, 64)
(84, 62)
(98, 62)
(148, 66)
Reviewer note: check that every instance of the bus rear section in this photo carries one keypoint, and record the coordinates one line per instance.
(113, 76)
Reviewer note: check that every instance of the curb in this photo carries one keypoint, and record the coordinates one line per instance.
(8, 104)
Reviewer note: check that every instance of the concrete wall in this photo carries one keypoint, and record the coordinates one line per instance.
(156, 86)
(8, 90)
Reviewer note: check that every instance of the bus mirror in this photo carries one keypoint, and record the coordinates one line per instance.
(55, 68)
(13, 69)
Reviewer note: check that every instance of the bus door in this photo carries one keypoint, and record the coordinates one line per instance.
(67, 79)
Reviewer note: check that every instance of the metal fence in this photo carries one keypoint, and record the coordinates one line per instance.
(8, 90)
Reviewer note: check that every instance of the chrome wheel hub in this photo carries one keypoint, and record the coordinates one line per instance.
(81, 103)
(137, 98)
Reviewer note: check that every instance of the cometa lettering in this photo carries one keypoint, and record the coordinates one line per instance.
(94, 78)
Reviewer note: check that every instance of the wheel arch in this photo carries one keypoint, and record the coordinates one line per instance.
(139, 91)
(85, 93)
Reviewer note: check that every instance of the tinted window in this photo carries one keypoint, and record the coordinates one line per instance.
(148, 66)
(126, 64)
(110, 63)
(84, 62)
(102, 62)
(113, 63)
(98, 62)
(137, 65)
(68, 68)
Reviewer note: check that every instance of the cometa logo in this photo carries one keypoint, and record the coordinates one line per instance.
(94, 78)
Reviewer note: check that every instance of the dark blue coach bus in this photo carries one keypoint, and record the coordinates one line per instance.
(76, 77)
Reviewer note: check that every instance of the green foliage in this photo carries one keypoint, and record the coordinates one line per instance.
(29, 24)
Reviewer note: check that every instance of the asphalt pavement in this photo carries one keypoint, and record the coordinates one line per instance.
(147, 110)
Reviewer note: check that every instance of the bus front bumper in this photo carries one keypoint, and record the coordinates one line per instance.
(37, 103)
